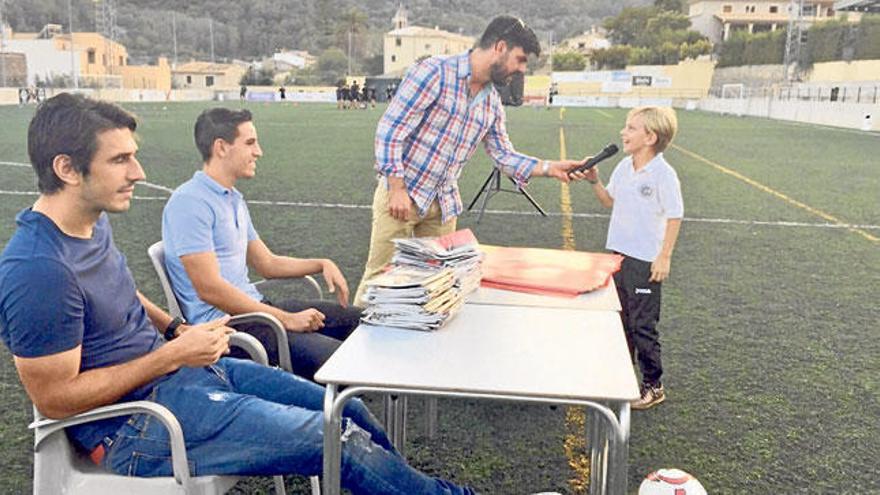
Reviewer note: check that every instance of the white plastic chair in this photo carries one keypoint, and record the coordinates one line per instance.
(59, 468)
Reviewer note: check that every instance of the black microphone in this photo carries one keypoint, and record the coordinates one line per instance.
(606, 152)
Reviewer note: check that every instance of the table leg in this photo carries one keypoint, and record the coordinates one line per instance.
(395, 420)
(619, 450)
(400, 410)
(388, 402)
(332, 442)
(598, 442)
(431, 416)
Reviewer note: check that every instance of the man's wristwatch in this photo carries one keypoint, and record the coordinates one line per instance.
(545, 168)
(172, 328)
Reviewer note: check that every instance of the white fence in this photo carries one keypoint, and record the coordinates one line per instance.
(863, 116)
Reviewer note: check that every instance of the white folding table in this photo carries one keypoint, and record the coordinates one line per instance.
(503, 352)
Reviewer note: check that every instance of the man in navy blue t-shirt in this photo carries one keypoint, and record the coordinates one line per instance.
(82, 336)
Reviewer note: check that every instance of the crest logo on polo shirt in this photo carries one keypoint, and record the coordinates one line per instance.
(646, 191)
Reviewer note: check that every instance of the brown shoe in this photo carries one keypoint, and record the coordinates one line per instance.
(651, 396)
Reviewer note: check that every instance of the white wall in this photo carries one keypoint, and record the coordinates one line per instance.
(850, 115)
(43, 58)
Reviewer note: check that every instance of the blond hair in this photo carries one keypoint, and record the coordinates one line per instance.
(660, 121)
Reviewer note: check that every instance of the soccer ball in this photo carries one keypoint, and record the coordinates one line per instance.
(671, 482)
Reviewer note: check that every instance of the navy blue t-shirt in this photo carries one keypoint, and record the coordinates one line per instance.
(58, 292)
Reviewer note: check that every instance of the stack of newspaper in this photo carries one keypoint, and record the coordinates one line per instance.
(458, 251)
(412, 297)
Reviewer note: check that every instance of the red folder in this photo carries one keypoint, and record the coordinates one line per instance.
(551, 272)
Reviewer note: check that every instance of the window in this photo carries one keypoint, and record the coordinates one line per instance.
(774, 9)
(397, 41)
(427, 46)
(121, 60)
(727, 9)
(209, 81)
(189, 79)
(394, 58)
(809, 11)
(91, 55)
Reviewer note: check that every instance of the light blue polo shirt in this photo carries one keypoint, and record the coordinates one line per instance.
(200, 217)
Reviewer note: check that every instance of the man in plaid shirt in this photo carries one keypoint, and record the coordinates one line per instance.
(444, 107)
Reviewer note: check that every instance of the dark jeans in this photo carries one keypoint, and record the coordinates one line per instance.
(308, 351)
(640, 300)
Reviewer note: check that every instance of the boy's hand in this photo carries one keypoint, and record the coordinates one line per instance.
(591, 175)
(660, 269)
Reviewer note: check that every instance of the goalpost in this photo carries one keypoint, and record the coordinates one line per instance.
(733, 91)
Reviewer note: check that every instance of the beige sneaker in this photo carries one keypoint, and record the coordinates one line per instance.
(651, 396)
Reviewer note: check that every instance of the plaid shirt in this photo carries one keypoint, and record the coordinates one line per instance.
(431, 129)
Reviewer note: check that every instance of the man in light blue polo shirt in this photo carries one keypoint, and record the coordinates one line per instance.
(210, 241)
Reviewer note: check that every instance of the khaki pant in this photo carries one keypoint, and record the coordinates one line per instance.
(386, 227)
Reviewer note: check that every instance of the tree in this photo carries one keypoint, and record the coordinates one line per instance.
(629, 25)
(694, 50)
(826, 41)
(615, 57)
(352, 23)
(263, 77)
(569, 61)
(867, 45)
(657, 35)
(373, 66)
(743, 48)
(332, 65)
(670, 5)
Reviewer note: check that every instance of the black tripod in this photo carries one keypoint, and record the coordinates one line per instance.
(493, 186)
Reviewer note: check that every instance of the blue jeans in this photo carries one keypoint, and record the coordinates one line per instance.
(245, 419)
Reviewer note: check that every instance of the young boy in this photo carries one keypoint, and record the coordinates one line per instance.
(646, 210)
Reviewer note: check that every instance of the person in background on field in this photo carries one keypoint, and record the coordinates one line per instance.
(365, 97)
(340, 102)
(644, 195)
(346, 96)
(355, 93)
(372, 97)
(444, 108)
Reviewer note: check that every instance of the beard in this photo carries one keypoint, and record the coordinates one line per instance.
(499, 74)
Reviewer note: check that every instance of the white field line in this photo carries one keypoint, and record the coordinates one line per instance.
(144, 183)
(349, 206)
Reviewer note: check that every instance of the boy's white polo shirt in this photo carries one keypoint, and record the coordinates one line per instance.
(643, 201)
